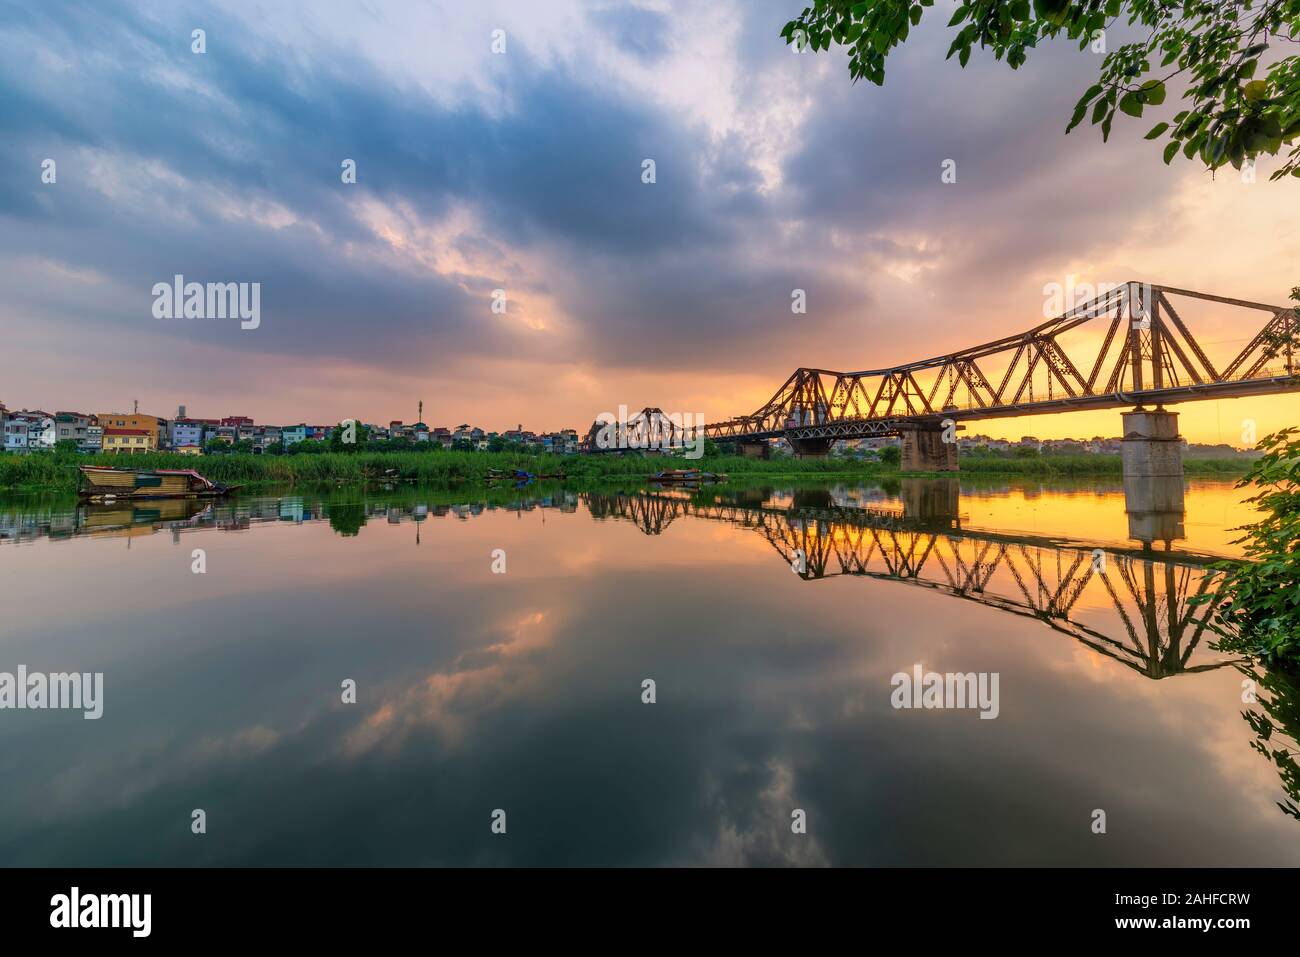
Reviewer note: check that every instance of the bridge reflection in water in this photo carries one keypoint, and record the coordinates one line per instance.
(1129, 604)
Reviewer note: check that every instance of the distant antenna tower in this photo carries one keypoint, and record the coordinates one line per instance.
(136, 409)
(420, 417)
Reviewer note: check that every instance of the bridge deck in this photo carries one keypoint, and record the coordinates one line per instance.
(1138, 351)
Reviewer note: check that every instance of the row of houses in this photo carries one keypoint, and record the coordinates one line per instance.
(32, 430)
(130, 432)
(972, 443)
(563, 442)
(1097, 445)
(38, 429)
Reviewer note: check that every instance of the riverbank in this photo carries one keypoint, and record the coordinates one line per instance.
(49, 471)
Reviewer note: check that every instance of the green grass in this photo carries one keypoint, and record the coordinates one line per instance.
(56, 471)
(38, 470)
(1088, 465)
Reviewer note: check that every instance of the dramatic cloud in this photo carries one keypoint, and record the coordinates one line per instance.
(522, 171)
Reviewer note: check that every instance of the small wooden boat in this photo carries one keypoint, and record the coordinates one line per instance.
(101, 483)
(687, 475)
(518, 475)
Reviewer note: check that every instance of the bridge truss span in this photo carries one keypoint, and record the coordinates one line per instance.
(1129, 346)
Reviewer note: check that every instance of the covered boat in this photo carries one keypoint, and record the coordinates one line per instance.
(103, 482)
(686, 475)
(518, 475)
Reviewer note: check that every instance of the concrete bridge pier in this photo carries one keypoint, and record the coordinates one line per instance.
(1153, 475)
(811, 448)
(924, 450)
(754, 450)
(1152, 446)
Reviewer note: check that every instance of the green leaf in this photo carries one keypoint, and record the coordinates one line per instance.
(1131, 103)
(1170, 151)
(1237, 153)
(1052, 10)
(1217, 153)
(1157, 130)
(1091, 92)
(1255, 90)
(1153, 92)
(1079, 112)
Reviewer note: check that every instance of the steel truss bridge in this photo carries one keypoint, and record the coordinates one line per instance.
(1130, 605)
(1127, 347)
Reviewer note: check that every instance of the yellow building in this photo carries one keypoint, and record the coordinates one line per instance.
(128, 441)
(188, 450)
(155, 426)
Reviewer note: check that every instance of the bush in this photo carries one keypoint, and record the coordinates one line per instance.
(1257, 610)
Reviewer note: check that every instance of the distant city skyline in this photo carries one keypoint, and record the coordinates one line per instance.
(174, 415)
(975, 430)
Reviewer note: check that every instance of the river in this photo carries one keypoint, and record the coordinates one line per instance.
(539, 676)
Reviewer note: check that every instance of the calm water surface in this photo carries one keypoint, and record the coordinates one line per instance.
(771, 620)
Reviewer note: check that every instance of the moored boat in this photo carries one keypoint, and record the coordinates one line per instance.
(519, 475)
(687, 475)
(99, 482)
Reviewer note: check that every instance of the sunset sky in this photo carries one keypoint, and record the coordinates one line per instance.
(522, 171)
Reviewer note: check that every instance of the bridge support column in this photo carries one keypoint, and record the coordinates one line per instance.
(1152, 446)
(811, 448)
(924, 450)
(754, 450)
(1153, 475)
